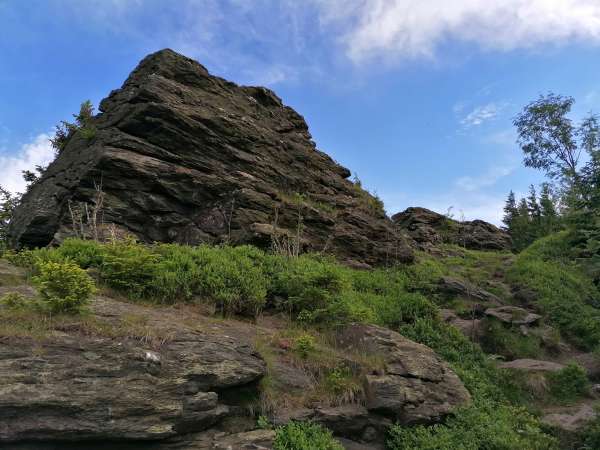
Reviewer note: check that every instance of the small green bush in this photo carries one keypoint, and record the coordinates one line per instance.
(425, 275)
(304, 436)
(63, 287)
(508, 341)
(569, 383)
(304, 345)
(308, 283)
(497, 427)
(14, 300)
(129, 267)
(85, 253)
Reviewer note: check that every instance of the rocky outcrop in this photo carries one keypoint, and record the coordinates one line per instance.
(532, 365)
(80, 388)
(415, 386)
(471, 328)
(183, 156)
(462, 288)
(429, 229)
(513, 315)
(571, 419)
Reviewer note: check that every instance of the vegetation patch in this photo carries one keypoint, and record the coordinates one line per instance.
(304, 436)
(566, 295)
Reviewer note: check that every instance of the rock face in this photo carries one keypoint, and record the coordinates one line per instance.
(416, 386)
(513, 315)
(458, 287)
(532, 365)
(82, 389)
(429, 229)
(183, 156)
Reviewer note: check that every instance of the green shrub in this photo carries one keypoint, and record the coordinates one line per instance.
(63, 287)
(425, 275)
(304, 345)
(232, 277)
(568, 383)
(304, 436)
(24, 258)
(341, 382)
(129, 267)
(494, 427)
(85, 253)
(14, 300)
(308, 283)
(508, 341)
(591, 435)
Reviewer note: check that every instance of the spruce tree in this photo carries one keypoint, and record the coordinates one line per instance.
(510, 210)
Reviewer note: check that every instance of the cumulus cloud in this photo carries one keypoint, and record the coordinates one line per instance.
(417, 28)
(38, 152)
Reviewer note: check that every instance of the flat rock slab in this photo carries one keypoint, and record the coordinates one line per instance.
(416, 386)
(532, 365)
(571, 420)
(91, 388)
(513, 315)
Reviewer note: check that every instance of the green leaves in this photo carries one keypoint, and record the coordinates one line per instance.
(63, 286)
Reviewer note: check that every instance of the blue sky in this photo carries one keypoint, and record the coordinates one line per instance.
(415, 96)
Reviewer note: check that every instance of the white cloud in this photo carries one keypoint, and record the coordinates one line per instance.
(482, 114)
(37, 152)
(417, 28)
(486, 179)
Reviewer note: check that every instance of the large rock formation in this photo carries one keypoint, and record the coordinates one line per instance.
(415, 386)
(183, 156)
(429, 229)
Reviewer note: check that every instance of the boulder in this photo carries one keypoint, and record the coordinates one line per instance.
(471, 328)
(182, 156)
(82, 388)
(429, 229)
(591, 363)
(513, 315)
(416, 386)
(571, 419)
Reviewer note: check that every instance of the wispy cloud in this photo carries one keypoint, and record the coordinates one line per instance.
(34, 153)
(402, 29)
(486, 179)
(482, 114)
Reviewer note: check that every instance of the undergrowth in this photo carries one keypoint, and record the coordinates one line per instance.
(565, 294)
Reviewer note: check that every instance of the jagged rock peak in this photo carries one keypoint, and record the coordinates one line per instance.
(184, 156)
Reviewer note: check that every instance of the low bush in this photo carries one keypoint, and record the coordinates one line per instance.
(508, 341)
(304, 345)
(63, 287)
(308, 283)
(568, 384)
(128, 267)
(498, 427)
(14, 300)
(304, 436)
